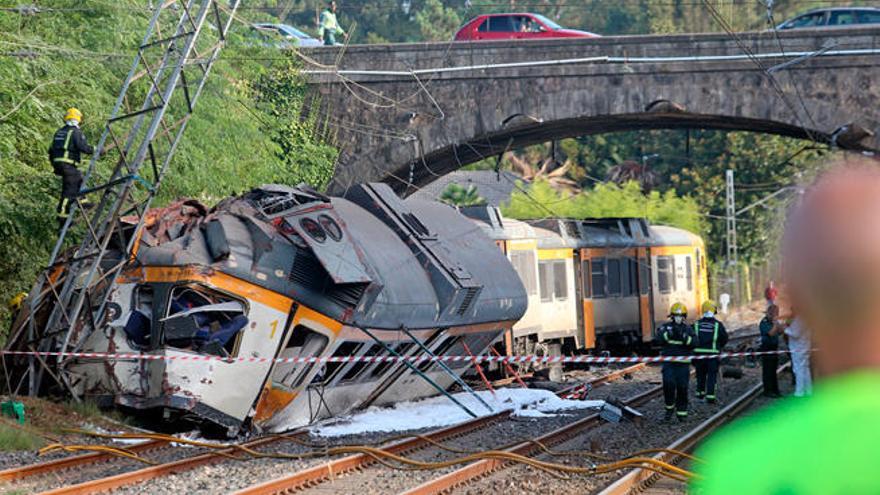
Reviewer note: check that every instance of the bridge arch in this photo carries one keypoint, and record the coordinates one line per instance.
(400, 125)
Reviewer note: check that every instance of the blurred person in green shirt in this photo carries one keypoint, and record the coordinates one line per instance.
(828, 443)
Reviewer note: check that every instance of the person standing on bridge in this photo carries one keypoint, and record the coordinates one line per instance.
(827, 442)
(328, 26)
(711, 337)
(676, 338)
(68, 144)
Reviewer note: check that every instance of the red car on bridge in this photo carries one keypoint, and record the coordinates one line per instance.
(515, 27)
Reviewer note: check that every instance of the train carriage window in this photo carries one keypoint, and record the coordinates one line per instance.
(664, 274)
(560, 281)
(304, 342)
(674, 271)
(204, 320)
(331, 369)
(440, 350)
(613, 279)
(644, 276)
(524, 264)
(598, 278)
(689, 273)
(360, 366)
(138, 323)
(401, 349)
(633, 276)
(625, 285)
(585, 275)
(699, 262)
(544, 277)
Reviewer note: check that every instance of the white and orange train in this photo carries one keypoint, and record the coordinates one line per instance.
(602, 284)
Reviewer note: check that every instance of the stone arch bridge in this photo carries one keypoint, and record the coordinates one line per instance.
(396, 119)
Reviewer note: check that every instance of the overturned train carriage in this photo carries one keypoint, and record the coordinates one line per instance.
(285, 272)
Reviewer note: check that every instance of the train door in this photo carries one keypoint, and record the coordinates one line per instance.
(307, 334)
(646, 302)
(585, 321)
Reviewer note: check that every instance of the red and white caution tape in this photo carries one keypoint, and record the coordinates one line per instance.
(384, 359)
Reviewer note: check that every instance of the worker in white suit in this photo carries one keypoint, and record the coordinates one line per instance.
(799, 344)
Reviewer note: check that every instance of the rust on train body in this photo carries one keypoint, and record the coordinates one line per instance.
(285, 272)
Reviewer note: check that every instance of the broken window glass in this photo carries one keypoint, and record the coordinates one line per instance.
(204, 320)
(138, 323)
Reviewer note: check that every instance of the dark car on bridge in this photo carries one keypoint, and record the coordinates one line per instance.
(833, 17)
(517, 26)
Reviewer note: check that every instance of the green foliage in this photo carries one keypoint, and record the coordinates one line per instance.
(539, 200)
(458, 195)
(82, 58)
(436, 22)
(281, 94)
(12, 438)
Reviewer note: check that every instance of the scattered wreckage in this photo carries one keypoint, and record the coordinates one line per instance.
(284, 272)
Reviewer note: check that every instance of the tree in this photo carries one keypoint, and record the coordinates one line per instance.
(436, 22)
(631, 170)
(280, 94)
(540, 200)
(458, 195)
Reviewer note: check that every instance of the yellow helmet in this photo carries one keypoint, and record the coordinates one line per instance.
(678, 309)
(73, 114)
(15, 303)
(709, 306)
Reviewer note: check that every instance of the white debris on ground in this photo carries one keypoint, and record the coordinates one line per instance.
(440, 411)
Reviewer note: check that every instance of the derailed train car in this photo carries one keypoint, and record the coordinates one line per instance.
(285, 272)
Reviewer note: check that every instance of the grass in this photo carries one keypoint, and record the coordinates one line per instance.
(15, 439)
(87, 409)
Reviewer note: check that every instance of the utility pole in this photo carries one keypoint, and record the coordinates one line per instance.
(732, 272)
(731, 221)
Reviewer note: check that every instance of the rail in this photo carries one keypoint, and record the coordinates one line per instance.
(481, 468)
(638, 479)
(323, 472)
(177, 466)
(173, 467)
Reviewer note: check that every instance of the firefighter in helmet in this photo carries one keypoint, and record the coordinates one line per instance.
(676, 338)
(65, 152)
(711, 337)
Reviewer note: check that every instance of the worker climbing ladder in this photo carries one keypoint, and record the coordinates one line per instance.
(170, 68)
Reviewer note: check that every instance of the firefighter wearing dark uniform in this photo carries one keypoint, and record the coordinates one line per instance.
(676, 338)
(711, 337)
(68, 145)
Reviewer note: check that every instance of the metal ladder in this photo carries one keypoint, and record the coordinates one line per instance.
(152, 110)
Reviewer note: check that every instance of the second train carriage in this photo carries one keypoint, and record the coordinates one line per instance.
(600, 284)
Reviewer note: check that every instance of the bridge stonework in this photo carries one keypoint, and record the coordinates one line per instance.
(412, 128)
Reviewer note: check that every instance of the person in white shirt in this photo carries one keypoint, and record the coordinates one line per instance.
(799, 344)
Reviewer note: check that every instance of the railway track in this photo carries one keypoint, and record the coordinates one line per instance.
(476, 470)
(353, 472)
(58, 467)
(644, 481)
(74, 461)
(468, 478)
